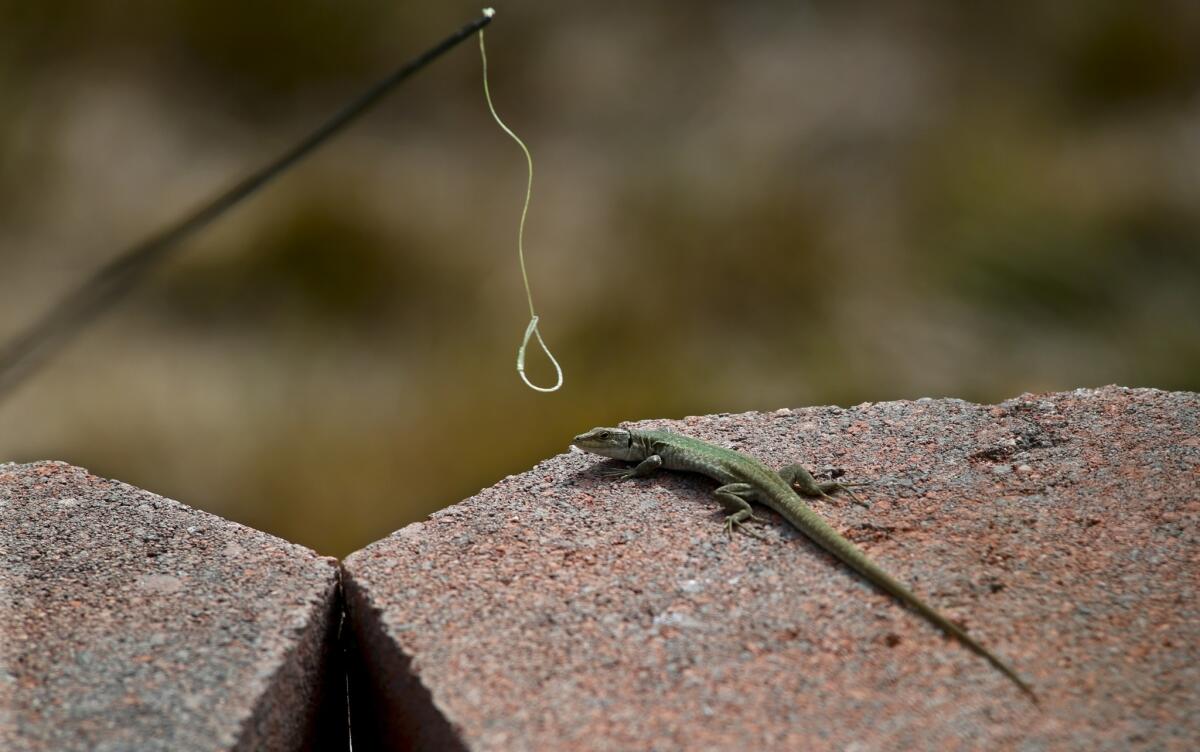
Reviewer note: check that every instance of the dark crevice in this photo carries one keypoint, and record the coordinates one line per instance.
(390, 707)
(332, 730)
(304, 707)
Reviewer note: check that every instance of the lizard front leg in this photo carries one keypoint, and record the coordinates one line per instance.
(646, 467)
(805, 484)
(735, 498)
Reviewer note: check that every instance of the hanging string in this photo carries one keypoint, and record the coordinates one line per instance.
(532, 329)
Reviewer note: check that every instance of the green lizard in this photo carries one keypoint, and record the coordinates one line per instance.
(745, 479)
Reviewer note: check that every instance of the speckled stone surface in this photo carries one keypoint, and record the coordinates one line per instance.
(132, 622)
(559, 609)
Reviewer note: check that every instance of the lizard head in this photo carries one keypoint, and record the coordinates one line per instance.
(616, 443)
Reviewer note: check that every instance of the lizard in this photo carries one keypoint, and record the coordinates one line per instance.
(744, 479)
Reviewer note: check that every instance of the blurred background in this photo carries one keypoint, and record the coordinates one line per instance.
(737, 206)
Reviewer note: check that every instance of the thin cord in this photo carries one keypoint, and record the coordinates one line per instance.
(532, 329)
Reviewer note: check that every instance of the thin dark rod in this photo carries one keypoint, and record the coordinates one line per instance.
(25, 352)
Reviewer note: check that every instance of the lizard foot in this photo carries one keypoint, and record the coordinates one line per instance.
(735, 523)
(620, 473)
(829, 488)
(853, 496)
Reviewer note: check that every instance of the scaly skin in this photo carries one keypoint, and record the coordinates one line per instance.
(745, 479)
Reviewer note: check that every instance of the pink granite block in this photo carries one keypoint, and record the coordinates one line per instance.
(563, 610)
(129, 621)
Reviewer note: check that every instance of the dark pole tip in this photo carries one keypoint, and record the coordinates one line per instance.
(21, 355)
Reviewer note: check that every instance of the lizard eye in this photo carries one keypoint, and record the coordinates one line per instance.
(604, 436)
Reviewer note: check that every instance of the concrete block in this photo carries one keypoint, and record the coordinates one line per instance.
(564, 610)
(130, 621)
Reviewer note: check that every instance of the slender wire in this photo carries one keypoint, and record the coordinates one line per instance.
(532, 329)
(25, 352)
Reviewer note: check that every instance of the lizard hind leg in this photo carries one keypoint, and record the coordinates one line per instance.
(735, 498)
(800, 479)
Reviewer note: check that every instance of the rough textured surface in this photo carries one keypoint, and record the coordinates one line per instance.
(562, 609)
(130, 621)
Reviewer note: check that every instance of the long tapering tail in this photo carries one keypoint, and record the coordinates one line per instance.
(808, 522)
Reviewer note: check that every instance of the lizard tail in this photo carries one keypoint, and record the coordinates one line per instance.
(897, 590)
(825, 536)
